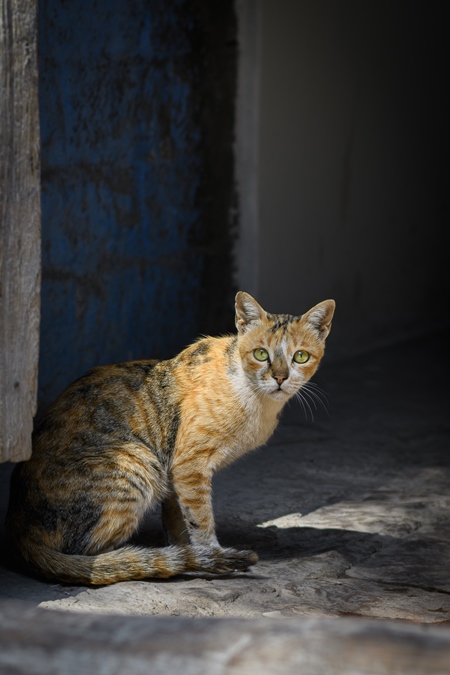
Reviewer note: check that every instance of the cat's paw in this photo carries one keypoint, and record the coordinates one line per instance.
(240, 560)
(223, 560)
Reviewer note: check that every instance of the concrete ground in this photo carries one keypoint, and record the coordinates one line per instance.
(349, 511)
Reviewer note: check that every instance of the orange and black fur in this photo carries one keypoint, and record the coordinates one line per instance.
(127, 436)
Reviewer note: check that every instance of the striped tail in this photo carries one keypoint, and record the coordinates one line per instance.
(131, 563)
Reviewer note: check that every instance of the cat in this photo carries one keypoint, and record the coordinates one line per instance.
(127, 436)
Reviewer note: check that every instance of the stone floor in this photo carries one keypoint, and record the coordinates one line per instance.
(347, 506)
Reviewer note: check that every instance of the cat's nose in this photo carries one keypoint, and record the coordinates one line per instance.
(280, 378)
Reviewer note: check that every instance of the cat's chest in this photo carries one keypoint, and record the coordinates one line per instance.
(258, 428)
(252, 430)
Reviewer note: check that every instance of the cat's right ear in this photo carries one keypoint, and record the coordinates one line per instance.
(248, 311)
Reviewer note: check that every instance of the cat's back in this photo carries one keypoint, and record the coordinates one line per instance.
(111, 404)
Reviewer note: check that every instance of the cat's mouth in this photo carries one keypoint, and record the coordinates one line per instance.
(279, 392)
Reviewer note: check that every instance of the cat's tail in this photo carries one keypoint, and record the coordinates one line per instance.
(131, 563)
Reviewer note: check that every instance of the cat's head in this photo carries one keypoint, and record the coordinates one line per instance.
(280, 352)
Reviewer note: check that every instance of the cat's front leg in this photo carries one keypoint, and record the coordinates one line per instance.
(193, 490)
(193, 493)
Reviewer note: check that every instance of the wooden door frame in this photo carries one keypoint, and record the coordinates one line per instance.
(20, 226)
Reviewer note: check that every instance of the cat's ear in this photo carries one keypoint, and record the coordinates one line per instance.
(248, 311)
(319, 318)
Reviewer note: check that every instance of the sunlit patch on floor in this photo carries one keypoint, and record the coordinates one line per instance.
(371, 515)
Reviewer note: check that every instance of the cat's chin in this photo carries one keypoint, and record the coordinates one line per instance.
(279, 394)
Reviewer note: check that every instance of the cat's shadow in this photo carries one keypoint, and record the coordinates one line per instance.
(296, 546)
(272, 543)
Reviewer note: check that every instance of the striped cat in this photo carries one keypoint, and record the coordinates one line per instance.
(128, 436)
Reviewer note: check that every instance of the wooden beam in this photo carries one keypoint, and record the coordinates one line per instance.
(19, 226)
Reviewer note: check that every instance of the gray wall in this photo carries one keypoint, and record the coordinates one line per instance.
(350, 191)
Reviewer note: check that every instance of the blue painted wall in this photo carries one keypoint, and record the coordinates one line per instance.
(127, 178)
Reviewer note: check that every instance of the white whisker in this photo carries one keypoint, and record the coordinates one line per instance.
(300, 399)
(309, 407)
(317, 389)
(304, 401)
(309, 395)
(318, 395)
(257, 391)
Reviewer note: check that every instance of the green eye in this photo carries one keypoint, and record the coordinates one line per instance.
(301, 356)
(261, 354)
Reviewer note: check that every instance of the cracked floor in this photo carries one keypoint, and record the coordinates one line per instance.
(348, 512)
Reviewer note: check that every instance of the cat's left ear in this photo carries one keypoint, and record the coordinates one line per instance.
(248, 311)
(319, 318)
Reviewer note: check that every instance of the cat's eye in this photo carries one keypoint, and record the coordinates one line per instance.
(301, 356)
(261, 354)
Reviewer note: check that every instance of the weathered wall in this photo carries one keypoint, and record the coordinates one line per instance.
(351, 188)
(137, 176)
(19, 227)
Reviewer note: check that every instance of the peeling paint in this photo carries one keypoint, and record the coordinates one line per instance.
(126, 178)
